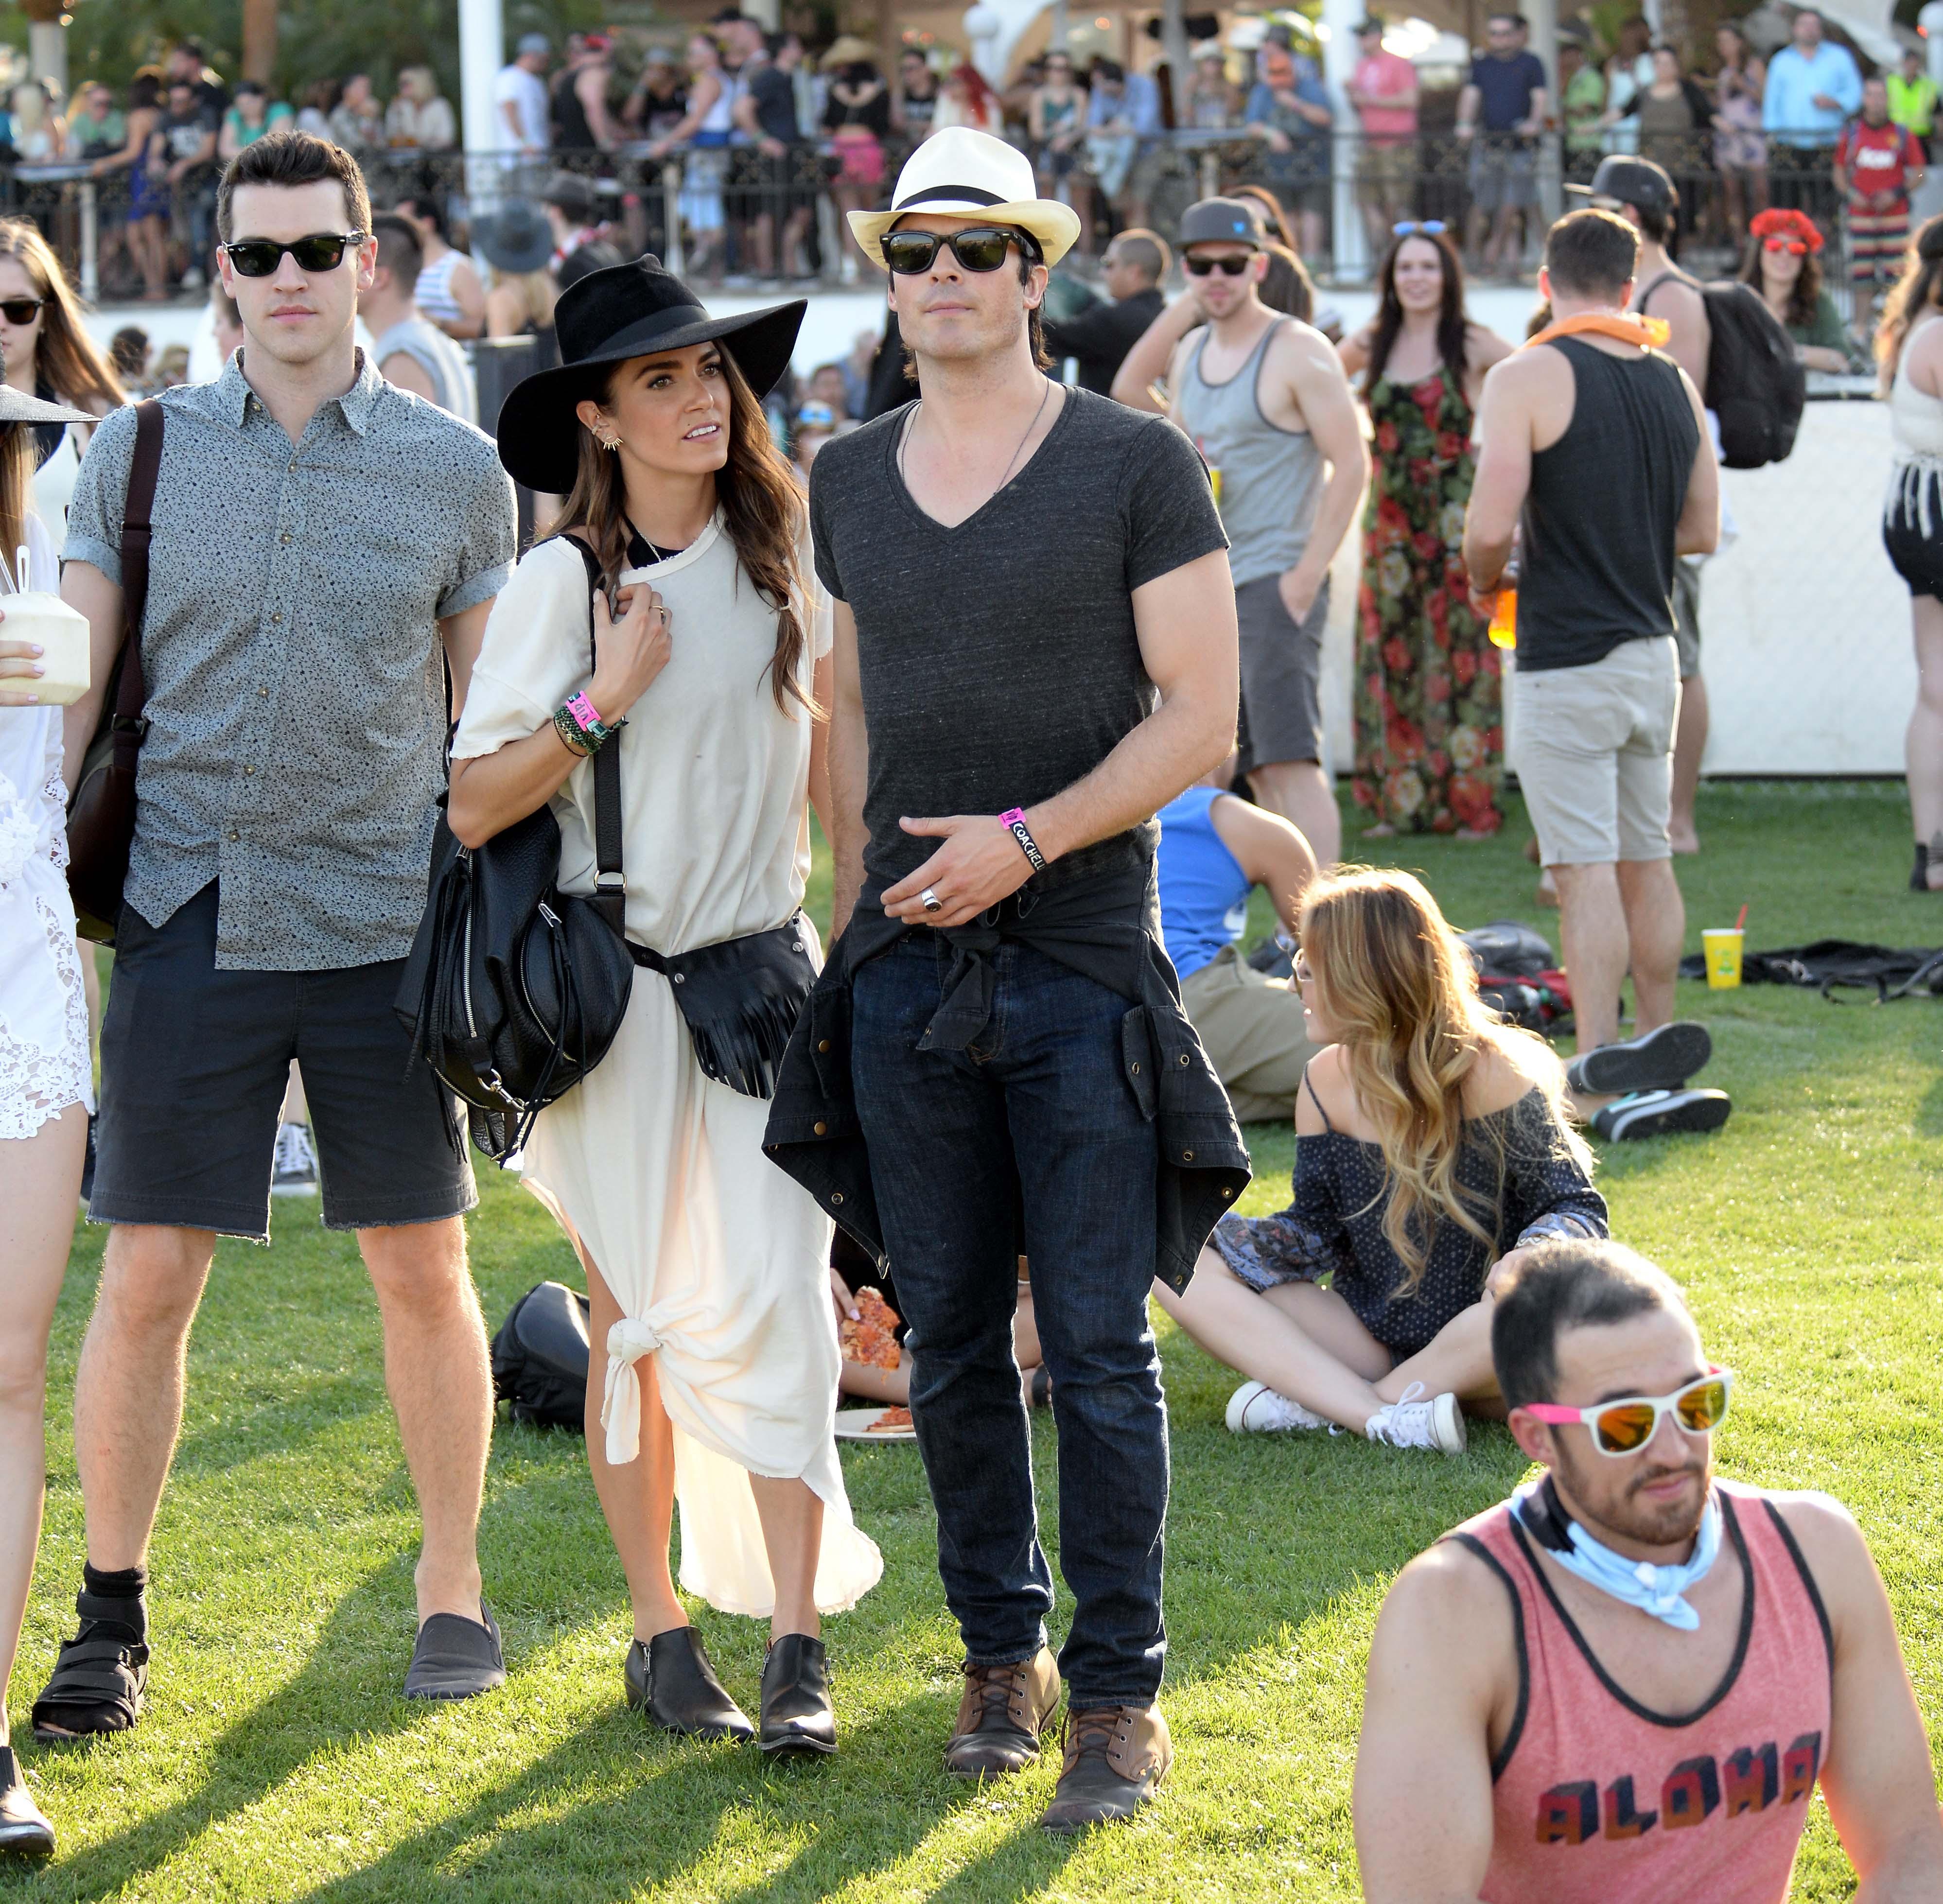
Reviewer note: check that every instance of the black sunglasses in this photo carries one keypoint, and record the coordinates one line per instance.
(20, 310)
(1227, 267)
(320, 251)
(982, 248)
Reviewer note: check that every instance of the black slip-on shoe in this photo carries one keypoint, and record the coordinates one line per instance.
(24, 1831)
(456, 1658)
(670, 1679)
(797, 1716)
(1662, 1060)
(1662, 1113)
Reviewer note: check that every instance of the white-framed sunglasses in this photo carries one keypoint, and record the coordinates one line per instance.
(1626, 1426)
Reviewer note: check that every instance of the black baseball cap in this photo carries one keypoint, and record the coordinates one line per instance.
(1219, 221)
(1636, 182)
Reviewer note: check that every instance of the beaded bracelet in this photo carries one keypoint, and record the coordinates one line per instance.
(571, 735)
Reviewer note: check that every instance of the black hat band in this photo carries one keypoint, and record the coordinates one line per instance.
(970, 194)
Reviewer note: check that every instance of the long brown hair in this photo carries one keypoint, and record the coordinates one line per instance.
(1453, 337)
(17, 476)
(763, 509)
(1398, 984)
(1914, 292)
(1803, 295)
(66, 359)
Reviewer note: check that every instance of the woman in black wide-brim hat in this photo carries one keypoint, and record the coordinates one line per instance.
(706, 1266)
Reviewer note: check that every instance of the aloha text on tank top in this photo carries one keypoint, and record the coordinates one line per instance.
(1597, 1800)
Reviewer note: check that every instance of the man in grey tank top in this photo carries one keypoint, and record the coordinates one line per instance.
(1599, 446)
(1265, 399)
(409, 350)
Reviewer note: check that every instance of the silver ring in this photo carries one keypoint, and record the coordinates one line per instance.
(930, 901)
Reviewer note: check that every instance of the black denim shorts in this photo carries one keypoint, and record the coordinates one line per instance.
(194, 1062)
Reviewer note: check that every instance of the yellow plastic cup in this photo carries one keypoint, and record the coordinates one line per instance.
(1723, 946)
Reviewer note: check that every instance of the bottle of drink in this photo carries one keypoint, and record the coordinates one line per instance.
(1504, 612)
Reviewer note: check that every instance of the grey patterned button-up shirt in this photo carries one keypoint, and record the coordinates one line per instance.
(292, 655)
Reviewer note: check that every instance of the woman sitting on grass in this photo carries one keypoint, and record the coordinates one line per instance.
(1431, 1149)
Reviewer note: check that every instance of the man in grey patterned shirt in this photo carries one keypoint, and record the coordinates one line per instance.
(325, 548)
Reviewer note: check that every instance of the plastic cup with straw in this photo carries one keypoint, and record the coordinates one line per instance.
(1723, 945)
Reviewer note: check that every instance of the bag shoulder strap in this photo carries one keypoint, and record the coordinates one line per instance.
(129, 724)
(609, 891)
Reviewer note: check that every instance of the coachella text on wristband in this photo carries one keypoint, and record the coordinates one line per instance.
(1014, 823)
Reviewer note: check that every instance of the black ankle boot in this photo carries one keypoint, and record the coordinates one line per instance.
(1919, 879)
(796, 1698)
(670, 1679)
(23, 1831)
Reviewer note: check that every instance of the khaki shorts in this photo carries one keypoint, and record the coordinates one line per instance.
(1593, 750)
(1252, 1028)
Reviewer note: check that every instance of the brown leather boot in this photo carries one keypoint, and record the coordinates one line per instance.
(1116, 1758)
(1004, 1710)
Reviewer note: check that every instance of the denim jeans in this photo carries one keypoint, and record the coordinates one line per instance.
(1033, 1141)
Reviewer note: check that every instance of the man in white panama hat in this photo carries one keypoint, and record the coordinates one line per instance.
(1035, 651)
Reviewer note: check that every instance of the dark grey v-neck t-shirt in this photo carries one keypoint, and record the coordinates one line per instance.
(998, 660)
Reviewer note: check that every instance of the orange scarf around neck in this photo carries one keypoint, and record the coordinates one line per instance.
(1650, 333)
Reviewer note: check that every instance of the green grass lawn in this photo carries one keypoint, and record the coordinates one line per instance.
(277, 1760)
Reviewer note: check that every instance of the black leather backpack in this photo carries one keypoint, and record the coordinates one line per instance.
(540, 1358)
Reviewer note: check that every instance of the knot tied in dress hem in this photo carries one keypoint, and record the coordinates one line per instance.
(629, 1340)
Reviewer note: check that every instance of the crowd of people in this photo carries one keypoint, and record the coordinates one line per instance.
(1004, 1023)
(740, 141)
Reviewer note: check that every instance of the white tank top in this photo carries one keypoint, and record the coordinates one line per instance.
(435, 290)
(1916, 417)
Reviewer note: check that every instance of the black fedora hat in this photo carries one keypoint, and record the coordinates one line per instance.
(632, 310)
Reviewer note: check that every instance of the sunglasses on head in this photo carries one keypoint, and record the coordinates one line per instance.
(1227, 267)
(20, 310)
(1415, 228)
(1626, 1426)
(1798, 246)
(981, 248)
(320, 251)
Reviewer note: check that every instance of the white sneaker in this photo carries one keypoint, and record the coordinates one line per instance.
(1255, 1408)
(294, 1171)
(1409, 1422)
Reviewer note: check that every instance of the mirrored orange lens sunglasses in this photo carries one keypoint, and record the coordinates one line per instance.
(1626, 1426)
(1798, 246)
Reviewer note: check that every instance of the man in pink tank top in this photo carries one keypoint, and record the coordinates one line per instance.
(1623, 1685)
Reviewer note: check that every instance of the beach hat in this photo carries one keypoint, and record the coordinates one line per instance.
(16, 408)
(631, 310)
(517, 239)
(971, 175)
(847, 49)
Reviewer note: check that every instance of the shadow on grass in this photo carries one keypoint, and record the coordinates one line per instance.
(660, 1806)
(344, 1691)
(1930, 1112)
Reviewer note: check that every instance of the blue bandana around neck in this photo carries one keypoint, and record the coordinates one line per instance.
(1658, 1591)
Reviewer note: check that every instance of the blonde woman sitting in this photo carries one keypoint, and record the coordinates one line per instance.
(1432, 1148)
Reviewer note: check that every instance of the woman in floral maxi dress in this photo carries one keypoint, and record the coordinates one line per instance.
(1428, 685)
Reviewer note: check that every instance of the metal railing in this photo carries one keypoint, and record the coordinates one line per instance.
(736, 210)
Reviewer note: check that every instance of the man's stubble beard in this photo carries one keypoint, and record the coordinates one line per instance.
(1623, 1514)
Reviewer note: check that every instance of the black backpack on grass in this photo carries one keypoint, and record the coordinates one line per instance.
(1755, 385)
(540, 1358)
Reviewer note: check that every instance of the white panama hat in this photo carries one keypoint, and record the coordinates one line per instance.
(970, 174)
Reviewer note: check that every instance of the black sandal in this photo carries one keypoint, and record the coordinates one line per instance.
(100, 1676)
(1042, 1386)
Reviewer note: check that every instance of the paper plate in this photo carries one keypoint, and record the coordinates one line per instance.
(854, 1425)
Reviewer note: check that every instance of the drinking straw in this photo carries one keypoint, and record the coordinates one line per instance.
(1741, 922)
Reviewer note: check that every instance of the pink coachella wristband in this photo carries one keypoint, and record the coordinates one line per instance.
(586, 716)
(1014, 822)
